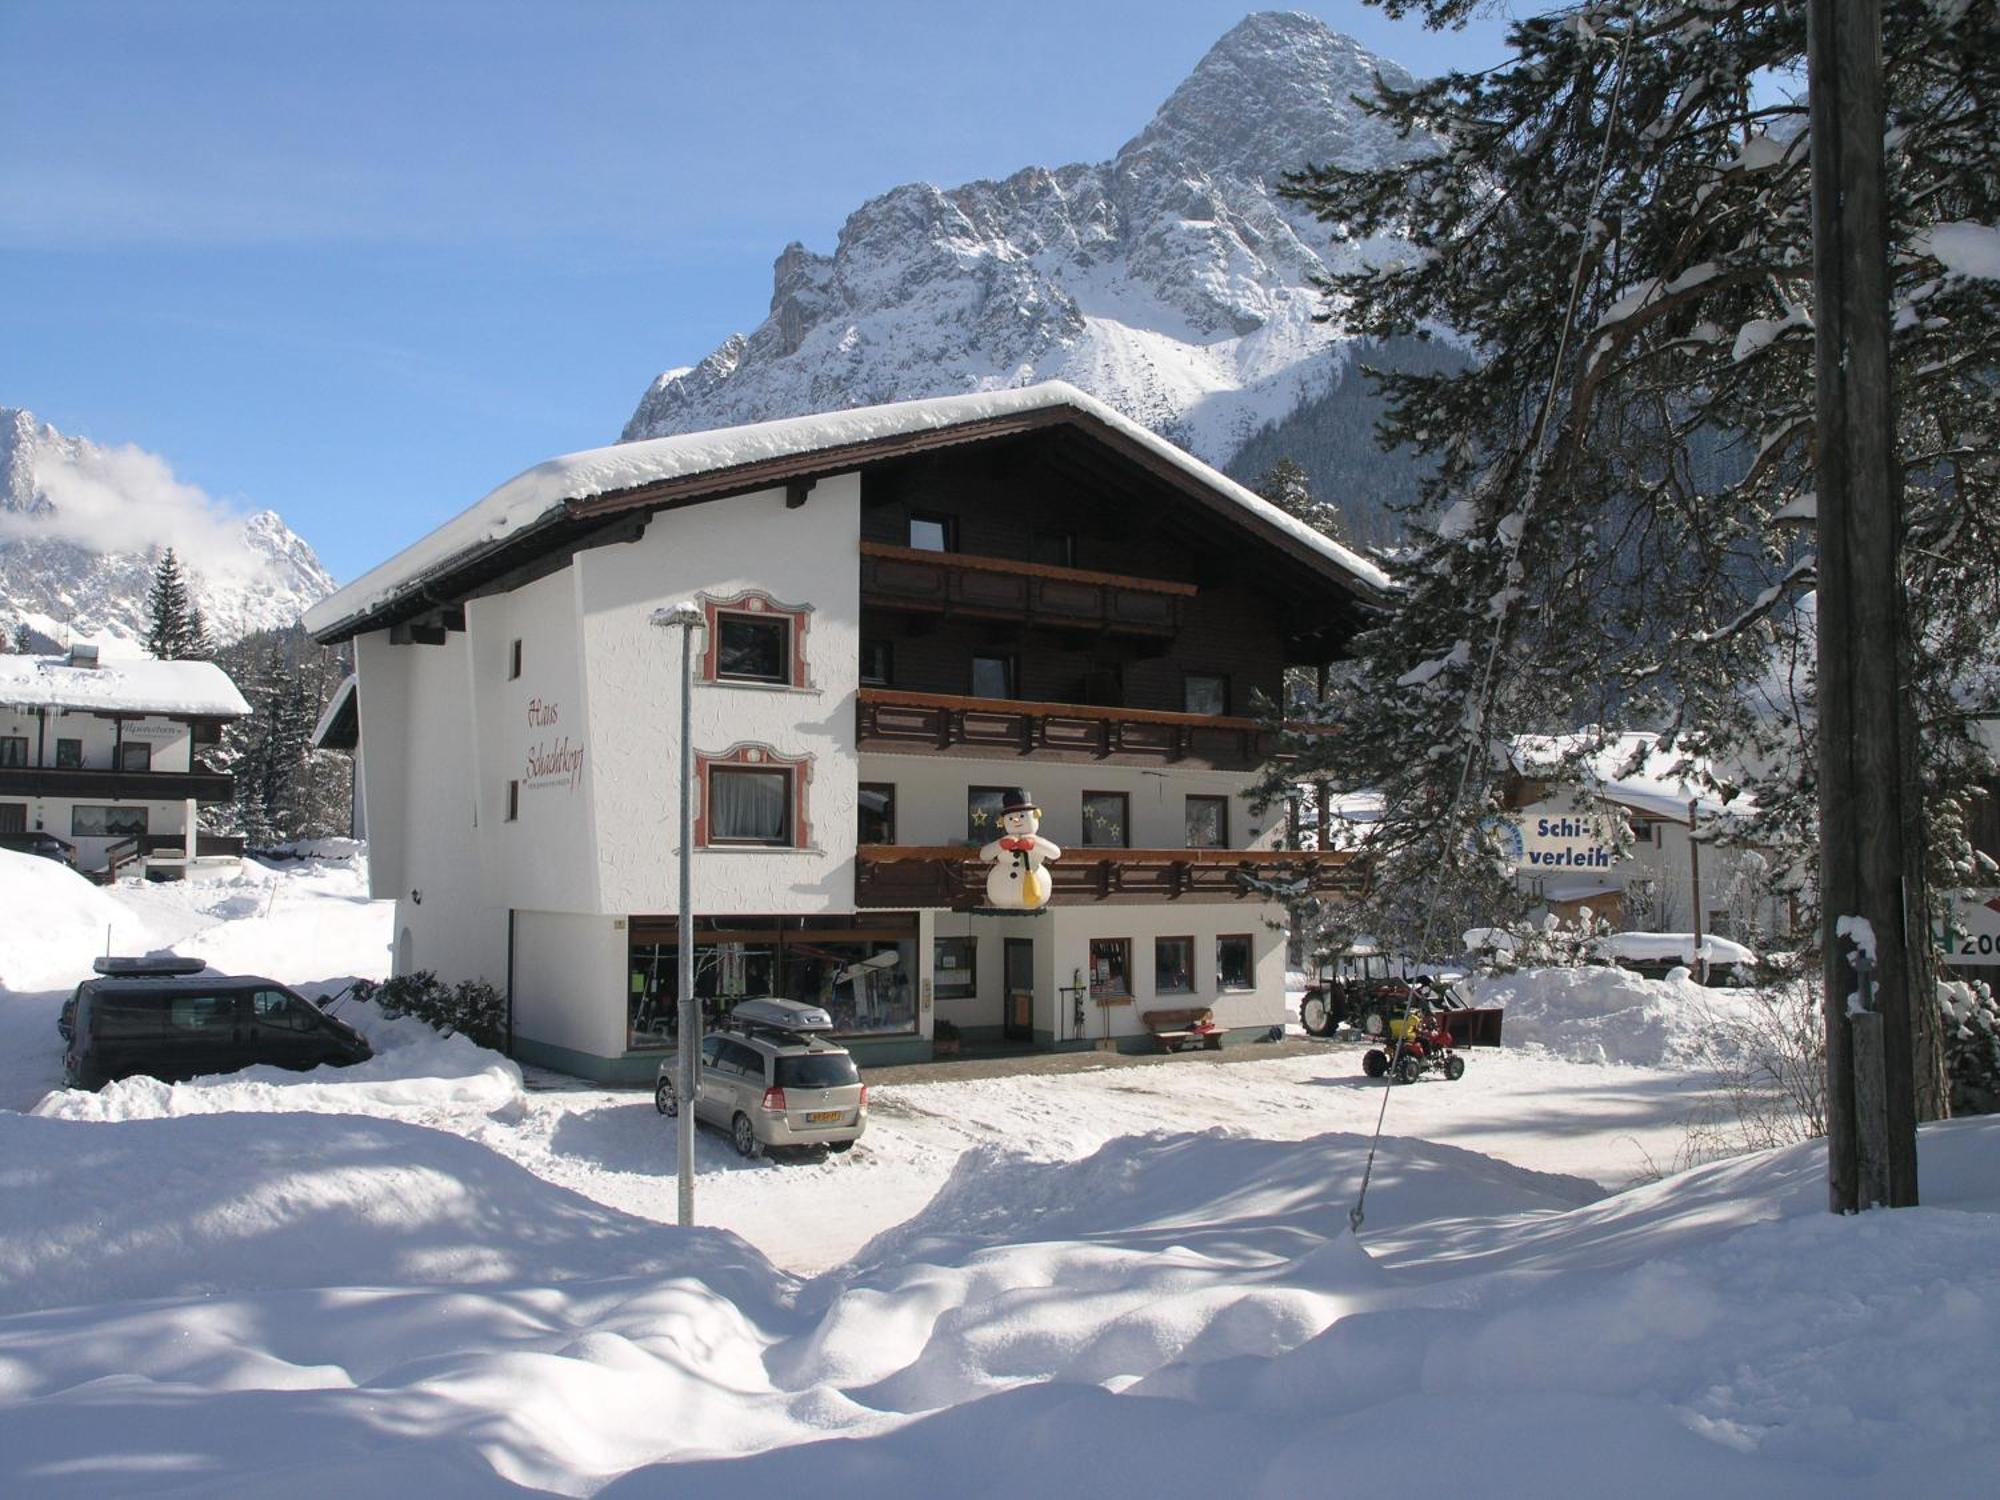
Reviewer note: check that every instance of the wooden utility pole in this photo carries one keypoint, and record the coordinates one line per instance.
(1869, 799)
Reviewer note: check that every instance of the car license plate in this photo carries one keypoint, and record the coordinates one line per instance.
(822, 1116)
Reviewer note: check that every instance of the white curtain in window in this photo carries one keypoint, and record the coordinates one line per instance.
(749, 804)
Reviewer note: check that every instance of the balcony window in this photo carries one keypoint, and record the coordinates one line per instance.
(747, 806)
(135, 756)
(982, 812)
(1054, 549)
(955, 966)
(753, 648)
(875, 820)
(931, 533)
(107, 822)
(1110, 968)
(1203, 693)
(1234, 969)
(1208, 822)
(992, 676)
(1173, 966)
(13, 749)
(69, 755)
(1107, 819)
(878, 661)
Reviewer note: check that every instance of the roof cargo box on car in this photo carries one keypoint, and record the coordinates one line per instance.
(149, 967)
(781, 1015)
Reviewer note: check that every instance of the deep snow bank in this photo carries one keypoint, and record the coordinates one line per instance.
(1612, 1015)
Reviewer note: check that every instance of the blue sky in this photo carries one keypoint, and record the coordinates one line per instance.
(361, 262)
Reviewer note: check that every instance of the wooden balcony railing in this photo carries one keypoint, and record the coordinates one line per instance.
(116, 786)
(911, 875)
(934, 723)
(1000, 588)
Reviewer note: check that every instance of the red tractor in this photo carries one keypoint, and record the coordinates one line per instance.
(1422, 1043)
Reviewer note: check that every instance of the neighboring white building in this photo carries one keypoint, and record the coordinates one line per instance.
(910, 609)
(1566, 842)
(105, 757)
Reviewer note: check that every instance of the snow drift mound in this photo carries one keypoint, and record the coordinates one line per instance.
(1612, 1015)
(57, 922)
(196, 1207)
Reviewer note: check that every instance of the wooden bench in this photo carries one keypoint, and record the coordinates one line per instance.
(1193, 1026)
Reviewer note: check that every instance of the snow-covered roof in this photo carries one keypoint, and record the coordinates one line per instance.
(1629, 769)
(542, 494)
(179, 689)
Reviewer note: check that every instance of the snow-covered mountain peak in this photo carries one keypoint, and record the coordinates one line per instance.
(1170, 281)
(82, 528)
(1276, 92)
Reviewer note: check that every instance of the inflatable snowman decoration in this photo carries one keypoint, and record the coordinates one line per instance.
(1017, 881)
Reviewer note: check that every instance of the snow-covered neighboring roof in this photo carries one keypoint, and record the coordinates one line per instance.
(194, 689)
(339, 726)
(540, 495)
(1629, 769)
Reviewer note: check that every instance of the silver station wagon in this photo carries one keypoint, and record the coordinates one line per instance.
(772, 1080)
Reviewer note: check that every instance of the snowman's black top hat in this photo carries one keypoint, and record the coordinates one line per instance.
(1017, 800)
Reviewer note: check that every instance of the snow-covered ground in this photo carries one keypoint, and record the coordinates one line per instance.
(427, 1276)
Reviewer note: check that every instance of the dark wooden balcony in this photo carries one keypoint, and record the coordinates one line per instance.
(999, 588)
(116, 786)
(936, 724)
(911, 875)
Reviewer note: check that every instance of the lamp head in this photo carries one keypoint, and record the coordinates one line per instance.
(686, 614)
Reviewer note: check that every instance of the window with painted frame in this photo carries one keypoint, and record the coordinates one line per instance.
(753, 647)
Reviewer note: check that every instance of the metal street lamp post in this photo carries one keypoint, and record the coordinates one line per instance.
(688, 616)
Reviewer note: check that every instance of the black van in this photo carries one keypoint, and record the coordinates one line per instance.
(167, 1019)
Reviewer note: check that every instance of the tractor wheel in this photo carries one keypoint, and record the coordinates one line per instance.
(1375, 1062)
(1410, 1069)
(1454, 1067)
(1316, 1015)
(664, 1098)
(1374, 1022)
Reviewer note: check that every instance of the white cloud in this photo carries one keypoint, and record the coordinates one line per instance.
(127, 500)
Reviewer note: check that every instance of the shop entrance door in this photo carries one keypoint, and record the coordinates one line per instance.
(1019, 1015)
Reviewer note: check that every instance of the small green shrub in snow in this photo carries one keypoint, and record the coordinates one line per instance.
(471, 1008)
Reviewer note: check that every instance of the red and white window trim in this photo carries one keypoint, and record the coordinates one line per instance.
(754, 612)
(752, 796)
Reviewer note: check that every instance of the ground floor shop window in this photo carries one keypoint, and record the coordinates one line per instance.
(1110, 968)
(1173, 966)
(1234, 969)
(955, 961)
(864, 973)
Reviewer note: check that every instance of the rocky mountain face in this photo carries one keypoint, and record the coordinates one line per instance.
(1171, 281)
(82, 528)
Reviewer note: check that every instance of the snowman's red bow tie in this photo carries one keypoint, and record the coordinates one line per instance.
(1017, 846)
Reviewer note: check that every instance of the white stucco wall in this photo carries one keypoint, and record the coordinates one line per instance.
(804, 556)
(931, 798)
(532, 730)
(569, 981)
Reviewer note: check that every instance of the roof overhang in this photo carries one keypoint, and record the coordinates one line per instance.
(581, 520)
